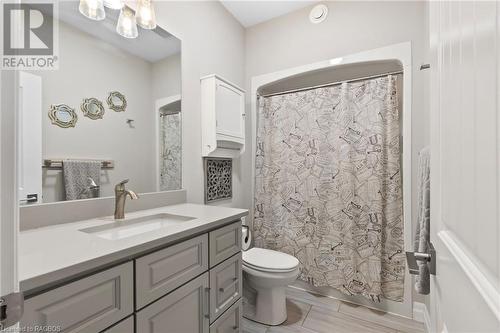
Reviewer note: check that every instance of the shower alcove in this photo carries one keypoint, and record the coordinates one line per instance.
(372, 63)
(169, 143)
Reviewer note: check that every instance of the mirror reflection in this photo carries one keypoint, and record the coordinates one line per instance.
(112, 111)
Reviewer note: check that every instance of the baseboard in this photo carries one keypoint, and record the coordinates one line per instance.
(421, 314)
(392, 307)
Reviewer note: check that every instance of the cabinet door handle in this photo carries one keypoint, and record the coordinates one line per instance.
(235, 328)
(206, 307)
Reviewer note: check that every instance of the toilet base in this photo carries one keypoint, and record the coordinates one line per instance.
(269, 307)
(264, 299)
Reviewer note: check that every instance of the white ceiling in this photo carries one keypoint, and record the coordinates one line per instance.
(249, 13)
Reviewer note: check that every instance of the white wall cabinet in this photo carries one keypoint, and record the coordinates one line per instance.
(223, 117)
(175, 288)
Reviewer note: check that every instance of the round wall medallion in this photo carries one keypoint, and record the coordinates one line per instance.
(318, 14)
(62, 115)
(117, 102)
(92, 108)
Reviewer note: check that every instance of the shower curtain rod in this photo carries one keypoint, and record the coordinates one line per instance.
(331, 84)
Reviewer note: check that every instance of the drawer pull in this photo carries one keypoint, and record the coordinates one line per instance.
(231, 283)
(206, 309)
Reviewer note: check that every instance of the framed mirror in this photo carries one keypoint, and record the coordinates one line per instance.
(92, 108)
(141, 76)
(62, 115)
(116, 101)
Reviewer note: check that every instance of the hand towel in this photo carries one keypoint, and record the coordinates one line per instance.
(76, 177)
(422, 238)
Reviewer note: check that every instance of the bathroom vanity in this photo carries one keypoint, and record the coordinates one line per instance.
(160, 269)
(103, 276)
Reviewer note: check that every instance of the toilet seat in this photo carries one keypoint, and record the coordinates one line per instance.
(266, 260)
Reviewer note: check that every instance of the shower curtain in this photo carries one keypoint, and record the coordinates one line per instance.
(328, 185)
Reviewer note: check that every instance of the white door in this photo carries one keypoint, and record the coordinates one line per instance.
(465, 165)
(8, 194)
(29, 176)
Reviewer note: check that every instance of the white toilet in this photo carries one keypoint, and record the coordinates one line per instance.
(266, 274)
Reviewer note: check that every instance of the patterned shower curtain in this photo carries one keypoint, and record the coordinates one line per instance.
(328, 185)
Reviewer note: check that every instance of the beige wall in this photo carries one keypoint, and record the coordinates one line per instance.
(166, 76)
(351, 27)
(212, 42)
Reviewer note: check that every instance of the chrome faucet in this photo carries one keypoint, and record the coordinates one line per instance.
(120, 196)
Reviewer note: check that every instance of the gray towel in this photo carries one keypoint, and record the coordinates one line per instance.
(422, 280)
(76, 177)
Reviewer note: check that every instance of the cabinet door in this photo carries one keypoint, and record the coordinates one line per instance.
(224, 243)
(160, 272)
(230, 321)
(88, 305)
(229, 109)
(225, 285)
(184, 310)
(126, 326)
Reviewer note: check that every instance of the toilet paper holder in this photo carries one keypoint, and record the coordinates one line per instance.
(248, 231)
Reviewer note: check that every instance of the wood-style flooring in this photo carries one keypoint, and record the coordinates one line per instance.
(309, 313)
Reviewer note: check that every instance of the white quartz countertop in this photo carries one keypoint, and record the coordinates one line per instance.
(57, 253)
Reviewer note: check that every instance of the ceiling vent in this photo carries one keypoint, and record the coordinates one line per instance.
(318, 14)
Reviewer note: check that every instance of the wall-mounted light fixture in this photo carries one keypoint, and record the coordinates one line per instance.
(126, 26)
(113, 4)
(93, 9)
(145, 14)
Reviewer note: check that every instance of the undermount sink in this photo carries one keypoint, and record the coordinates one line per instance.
(135, 226)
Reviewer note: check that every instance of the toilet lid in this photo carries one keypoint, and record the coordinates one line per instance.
(269, 260)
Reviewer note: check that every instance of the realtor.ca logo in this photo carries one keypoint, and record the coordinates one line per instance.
(29, 37)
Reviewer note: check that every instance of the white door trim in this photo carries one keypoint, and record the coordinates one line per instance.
(9, 210)
(421, 314)
(402, 53)
(477, 274)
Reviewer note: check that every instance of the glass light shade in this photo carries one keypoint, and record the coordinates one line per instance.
(127, 26)
(93, 9)
(145, 14)
(113, 4)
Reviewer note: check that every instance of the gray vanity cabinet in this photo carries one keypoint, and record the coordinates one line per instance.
(88, 305)
(184, 310)
(224, 243)
(230, 321)
(225, 285)
(162, 271)
(194, 286)
(126, 326)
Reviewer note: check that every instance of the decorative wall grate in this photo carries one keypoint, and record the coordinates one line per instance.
(218, 179)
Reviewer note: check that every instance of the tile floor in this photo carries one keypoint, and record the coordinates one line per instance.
(309, 313)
